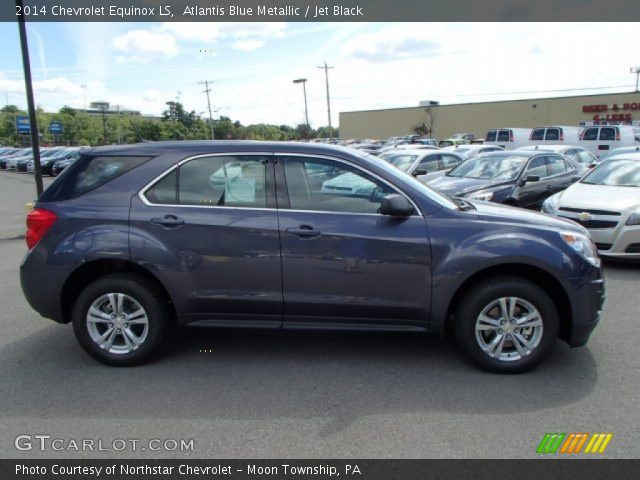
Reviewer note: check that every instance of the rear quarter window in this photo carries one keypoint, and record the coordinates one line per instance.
(503, 136)
(88, 173)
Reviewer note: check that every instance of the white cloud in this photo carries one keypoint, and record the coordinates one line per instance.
(144, 45)
(247, 45)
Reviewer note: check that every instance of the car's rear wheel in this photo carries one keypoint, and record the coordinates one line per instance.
(506, 324)
(120, 319)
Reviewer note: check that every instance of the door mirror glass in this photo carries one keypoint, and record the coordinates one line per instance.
(396, 205)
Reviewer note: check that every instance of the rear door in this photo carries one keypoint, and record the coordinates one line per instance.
(504, 139)
(344, 263)
(209, 230)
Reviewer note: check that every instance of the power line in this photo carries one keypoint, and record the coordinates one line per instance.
(207, 90)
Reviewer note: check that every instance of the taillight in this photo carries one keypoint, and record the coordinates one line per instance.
(617, 134)
(511, 135)
(39, 221)
(561, 135)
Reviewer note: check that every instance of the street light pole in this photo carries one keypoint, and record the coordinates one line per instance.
(636, 70)
(33, 123)
(303, 81)
(326, 76)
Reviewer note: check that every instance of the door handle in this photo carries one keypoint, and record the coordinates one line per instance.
(548, 187)
(304, 231)
(168, 221)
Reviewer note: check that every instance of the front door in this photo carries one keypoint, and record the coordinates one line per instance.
(342, 261)
(209, 230)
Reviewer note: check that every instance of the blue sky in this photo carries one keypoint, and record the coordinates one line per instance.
(377, 65)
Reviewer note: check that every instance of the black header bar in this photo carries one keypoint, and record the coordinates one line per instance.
(323, 11)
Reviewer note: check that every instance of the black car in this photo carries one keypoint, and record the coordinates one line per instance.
(134, 239)
(517, 177)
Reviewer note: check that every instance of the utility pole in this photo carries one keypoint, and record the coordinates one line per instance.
(326, 77)
(207, 90)
(303, 81)
(118, 124)
(33, 123)
(636, 70)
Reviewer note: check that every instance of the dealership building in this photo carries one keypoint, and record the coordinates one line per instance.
(477, 118)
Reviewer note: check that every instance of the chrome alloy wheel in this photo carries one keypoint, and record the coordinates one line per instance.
(509, 329)
(117, 323)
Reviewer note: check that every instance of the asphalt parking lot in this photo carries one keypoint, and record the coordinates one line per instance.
(256, 394)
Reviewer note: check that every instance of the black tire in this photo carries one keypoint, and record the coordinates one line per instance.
(480, 296)
(146, 294)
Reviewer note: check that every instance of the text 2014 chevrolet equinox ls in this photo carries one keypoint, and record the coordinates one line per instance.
(131, 239)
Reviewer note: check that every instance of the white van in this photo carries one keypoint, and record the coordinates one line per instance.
(555, 135)
(599, 139)
(508, 138)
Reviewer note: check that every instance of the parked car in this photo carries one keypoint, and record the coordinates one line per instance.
(6, 161)
(422, 164)
(508, 138)
(555, 135)
(521, 178)
(606, 202)
(47, 164)
(391, 150)
(599, 139)
(468, 151)
(581, 156)
(135, 238)
(618, 151)
(457, 139)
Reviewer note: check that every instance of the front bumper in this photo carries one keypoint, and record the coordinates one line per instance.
(587, 300)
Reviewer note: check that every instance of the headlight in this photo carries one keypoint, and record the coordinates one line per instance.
(583, 245)
(484, 196)
(634, 219)
(550, 205)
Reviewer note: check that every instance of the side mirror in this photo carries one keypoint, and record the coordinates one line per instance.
(417, 173)
(575, 178)
(592, 165)
(396, 206)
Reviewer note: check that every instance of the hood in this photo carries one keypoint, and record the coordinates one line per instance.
(496, 212)
(602, 197)
(459, 186)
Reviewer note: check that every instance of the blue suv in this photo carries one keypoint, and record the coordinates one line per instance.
(132, 240)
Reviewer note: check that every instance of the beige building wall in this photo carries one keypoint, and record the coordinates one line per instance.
(477, 118)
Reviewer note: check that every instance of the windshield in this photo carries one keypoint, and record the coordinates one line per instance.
(615, 172)
(489, 166)
(403, 160)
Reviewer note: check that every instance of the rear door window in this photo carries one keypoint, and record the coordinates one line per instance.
(491, 136)
(89, 173)
(503, 136)
(557, 165)
(607, 134)
(552, 134)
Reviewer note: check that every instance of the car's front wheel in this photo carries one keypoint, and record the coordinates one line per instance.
(120, 319)
(506, 324)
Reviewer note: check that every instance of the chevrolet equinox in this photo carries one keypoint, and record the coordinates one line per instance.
(132, 240)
